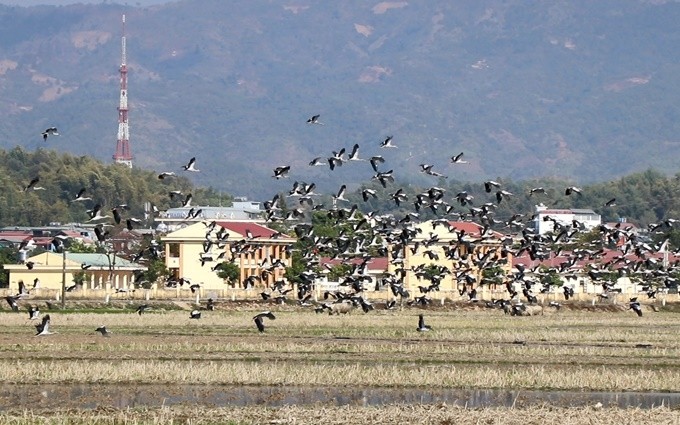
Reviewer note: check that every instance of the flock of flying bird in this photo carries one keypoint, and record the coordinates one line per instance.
(373, 234)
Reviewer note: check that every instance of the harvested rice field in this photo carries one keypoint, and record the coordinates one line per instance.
(474, 366)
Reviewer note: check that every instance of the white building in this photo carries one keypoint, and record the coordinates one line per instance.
(546, 218)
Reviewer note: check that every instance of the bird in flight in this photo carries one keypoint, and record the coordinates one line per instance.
(31, 184)
(33, 313)
(191, 165)
(458, 159)
(258, 319)
(375, 160)
(43, 328)
(51, 131)
(387, 143)
(80, 196)
(572, 189)
(537, 190)
(12, 301)
(281, 172)
(314, 120)
(354, 155)
(165, 174)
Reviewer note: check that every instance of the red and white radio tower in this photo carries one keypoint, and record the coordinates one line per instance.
(123, 155)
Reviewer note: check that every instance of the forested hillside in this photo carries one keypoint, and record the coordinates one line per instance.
(641, 198)
(62, 176)
(579, 90)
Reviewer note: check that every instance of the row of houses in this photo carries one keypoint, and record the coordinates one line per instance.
(264, 253)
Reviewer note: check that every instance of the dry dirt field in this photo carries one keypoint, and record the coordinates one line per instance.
(162, 367)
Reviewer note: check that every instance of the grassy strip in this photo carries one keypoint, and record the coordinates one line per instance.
(266, 372)
(314, 415)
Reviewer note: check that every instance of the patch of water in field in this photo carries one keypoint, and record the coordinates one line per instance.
(87, 396)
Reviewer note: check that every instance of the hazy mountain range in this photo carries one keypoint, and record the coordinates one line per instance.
(585, 90)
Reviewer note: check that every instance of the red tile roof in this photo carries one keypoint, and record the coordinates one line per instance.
(241, 227)
(377, 263)
(471, 228)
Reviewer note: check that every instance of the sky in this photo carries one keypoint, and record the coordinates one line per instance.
(66, 2)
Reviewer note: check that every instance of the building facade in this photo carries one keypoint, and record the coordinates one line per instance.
(194, 252)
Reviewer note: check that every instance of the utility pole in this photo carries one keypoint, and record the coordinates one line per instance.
(63, 278)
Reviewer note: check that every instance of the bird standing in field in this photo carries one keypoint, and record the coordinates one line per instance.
(102, 330)
(259, 319)
(635, 306)
(195, 314)
(142, 309)
(422, 327)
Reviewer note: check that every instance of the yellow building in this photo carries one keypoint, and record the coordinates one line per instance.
(193, 252)
(457, 246)
(97, 271)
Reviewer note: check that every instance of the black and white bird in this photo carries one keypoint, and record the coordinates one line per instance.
(43, 328)
(375, 160)
(387, 143)
(187, 200)
(384, 177)
(142, 309)
(50, 131)
(191, 165)
(427, 169)
(341, 194)
(166, 174)
(635, 306)
(534, 190)
(458, 159)
(96, 214)
(281, 172)
(259, 319)
(102, 330)
(314, 120)
(354, 155)
(80, 196)
(490, 184)
(33, 313)
(572, 189)
(12, 301)
(368, 193)
(422, 327)
(319, 160)
(31, 184)
(195, 314)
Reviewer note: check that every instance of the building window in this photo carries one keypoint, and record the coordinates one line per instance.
(174, 249)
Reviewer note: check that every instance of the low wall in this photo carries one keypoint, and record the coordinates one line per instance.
(238, 294)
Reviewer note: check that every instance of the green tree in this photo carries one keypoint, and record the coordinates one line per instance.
(228, 271)
(77, 246)
(549, 276)
(155, 271)
(8, 255)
